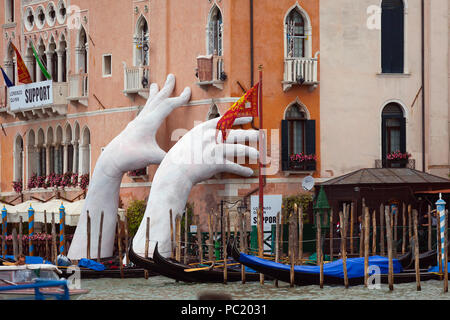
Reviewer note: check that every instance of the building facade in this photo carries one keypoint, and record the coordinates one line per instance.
(102, 56)
(384, 85)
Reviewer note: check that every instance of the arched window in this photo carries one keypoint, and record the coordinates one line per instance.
(9, 11)
(81, 51)
(295, 33)
(215, 32)
(393, 133)
(392, 36)
(298, 137)
(9, 64)
(141, 41)
(18, 159)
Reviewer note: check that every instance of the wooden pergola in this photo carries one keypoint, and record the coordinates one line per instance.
(382, 186)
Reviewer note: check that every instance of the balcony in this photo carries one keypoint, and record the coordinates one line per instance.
(210, 71)
(136, 80)
(309, 165)
(300, 71)
(57, 108)
(400, 163)
(78, 88)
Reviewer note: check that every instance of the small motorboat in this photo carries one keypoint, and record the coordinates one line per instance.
(16, 275)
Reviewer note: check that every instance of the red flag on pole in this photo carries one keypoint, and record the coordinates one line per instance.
(246, 106)
(24, 75)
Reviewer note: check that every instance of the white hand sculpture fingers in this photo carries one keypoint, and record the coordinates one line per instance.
(240, 136)
(235, 168)
(173, 103)
(237, 150)
(165, 92)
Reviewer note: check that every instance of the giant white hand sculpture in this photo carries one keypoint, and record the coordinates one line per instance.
(134, 148)
(194, 158)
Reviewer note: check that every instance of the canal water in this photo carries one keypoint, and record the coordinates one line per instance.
(162, 288)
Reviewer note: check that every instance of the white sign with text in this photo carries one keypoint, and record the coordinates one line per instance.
(32, 95)
(272, 205)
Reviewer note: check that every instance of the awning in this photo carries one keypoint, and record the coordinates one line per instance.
(72, 209)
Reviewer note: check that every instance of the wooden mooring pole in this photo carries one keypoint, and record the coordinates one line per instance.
(54, 250)
(46, 233)
(352, 223)
(277, 243)
(147, 239)
(119, 245)
(416, 250)
(21, 236)
(403, 228)
(429, 228)
(389, 247)
(100, 234)
(382, 233)
(88, 237)
(171, 233)
(343, 250)
(374, 232)
(224, 249)
(331, 235)
(319, 247)
(291, 252)
(366, 221)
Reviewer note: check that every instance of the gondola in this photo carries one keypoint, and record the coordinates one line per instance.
(150, 265)
(176, 270)
(333, 271)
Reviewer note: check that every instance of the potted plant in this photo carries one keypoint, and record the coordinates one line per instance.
(303, 161)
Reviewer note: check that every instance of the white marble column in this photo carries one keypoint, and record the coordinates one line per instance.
(49, 55)
(47, 159)
(65, 157)
(28, 60)
(61, 66)
(75, 154)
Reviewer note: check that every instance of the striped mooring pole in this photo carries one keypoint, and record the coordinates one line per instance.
(30, 230)
(62, 217)
(440, 205)
(4, 229)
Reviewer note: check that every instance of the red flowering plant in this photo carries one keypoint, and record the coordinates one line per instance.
(302, 157)
(66, 180)
(40, 182)
(74, 179)
(138, 172)
(17, 186)
(32, 182)
(84, 181)
(397, 155)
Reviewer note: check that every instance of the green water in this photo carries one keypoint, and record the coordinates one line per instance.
(162, 288)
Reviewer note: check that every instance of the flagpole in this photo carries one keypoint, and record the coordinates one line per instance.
(261, 155)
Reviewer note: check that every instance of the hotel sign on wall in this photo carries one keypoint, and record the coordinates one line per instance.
(32, 95)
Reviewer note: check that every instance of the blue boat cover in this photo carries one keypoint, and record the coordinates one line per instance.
(355, 266)
(436, 269)
(30, 260)
(91, 264)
